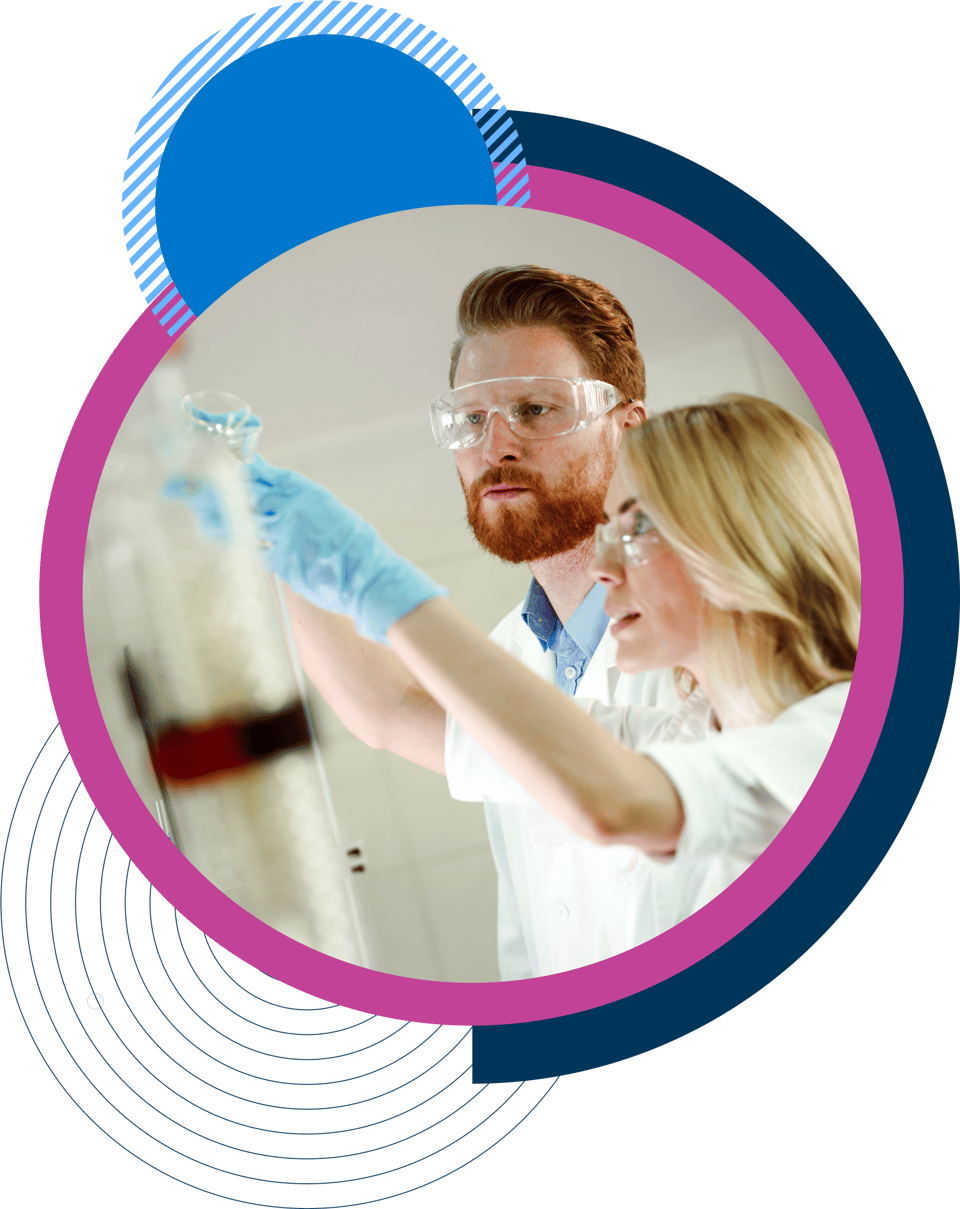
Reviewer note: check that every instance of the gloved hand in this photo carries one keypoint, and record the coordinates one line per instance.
(331, 556)
(326, 553)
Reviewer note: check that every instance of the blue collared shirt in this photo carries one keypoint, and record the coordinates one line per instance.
(574, 643)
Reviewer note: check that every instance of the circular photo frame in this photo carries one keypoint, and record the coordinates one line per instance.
(794, 891)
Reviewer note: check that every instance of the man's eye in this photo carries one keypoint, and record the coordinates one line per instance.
(474, 417)
(533, 411)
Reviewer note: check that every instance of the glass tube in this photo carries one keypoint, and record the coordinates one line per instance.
(215, 735)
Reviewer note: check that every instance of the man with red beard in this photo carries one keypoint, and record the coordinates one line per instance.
(533, 496)
(539, 501)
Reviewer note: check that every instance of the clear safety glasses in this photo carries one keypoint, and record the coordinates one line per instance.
(631, 538)
(534, 408)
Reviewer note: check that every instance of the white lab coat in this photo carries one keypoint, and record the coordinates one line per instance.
(551, 895)
(564, 902)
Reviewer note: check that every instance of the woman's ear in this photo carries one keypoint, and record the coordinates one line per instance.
(633, 413)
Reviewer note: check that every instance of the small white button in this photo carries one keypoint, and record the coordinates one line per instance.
(561, 911)
(570, 672)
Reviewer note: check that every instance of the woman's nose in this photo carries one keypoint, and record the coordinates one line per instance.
(607, 566)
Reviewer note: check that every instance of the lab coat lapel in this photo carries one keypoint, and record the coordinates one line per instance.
(529, 651)
(600, 676)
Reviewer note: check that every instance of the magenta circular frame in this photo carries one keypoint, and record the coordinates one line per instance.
(93, 753)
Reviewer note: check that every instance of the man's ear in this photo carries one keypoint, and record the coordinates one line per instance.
(633, 414)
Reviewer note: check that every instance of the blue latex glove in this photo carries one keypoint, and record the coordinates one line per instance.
(331, 556)
(326, 553)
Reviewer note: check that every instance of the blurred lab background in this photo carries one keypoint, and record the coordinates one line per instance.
(339, 346)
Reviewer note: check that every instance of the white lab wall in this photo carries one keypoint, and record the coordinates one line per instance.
(339, 345)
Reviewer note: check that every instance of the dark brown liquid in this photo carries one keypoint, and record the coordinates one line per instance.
(185, 755)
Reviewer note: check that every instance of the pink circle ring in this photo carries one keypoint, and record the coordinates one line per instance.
(61, 598)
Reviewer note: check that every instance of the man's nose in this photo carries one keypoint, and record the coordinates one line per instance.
(500, 443)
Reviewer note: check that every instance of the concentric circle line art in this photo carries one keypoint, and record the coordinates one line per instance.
(69, 997)
(264, 1053)
(162, 1051)
(339, 18)
(13, 985)
(284, 1032)
(240, 1200)
(204, 1137)
(226, 1065)
(262, 1103)
(57, 857)
(296, 1133)
(321, 1007)
(113, 1070)
(258, 1129)
(160, 1112)
(6, 845)
(402, 1166)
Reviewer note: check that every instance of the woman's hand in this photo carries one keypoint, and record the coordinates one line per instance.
(330, 555)
(325, 552)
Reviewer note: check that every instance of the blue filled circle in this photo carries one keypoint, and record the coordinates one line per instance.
(302, 137)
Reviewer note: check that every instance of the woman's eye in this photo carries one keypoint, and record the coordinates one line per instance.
(641, 524)
(474, 417)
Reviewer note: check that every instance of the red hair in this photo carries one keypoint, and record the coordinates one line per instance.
(587, 314)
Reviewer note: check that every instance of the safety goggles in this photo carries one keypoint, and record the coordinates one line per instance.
(535, 409)
(631, 538)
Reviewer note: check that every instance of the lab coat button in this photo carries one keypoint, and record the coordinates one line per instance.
(561, 910)
(570, 672)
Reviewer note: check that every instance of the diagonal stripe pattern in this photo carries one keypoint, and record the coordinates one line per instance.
(344, 18)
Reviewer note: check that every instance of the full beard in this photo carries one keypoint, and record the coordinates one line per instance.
(562, 519)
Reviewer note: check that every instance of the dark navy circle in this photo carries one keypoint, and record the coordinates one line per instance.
(893, 778)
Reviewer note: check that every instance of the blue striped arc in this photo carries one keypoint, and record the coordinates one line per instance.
(345, 18)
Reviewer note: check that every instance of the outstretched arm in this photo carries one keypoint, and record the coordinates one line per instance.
(562, 757)
(367, 686)
(333, 560)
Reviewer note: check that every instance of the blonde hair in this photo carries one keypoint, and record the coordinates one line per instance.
(754, 502)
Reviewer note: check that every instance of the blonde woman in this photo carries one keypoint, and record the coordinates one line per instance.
(729, 554)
